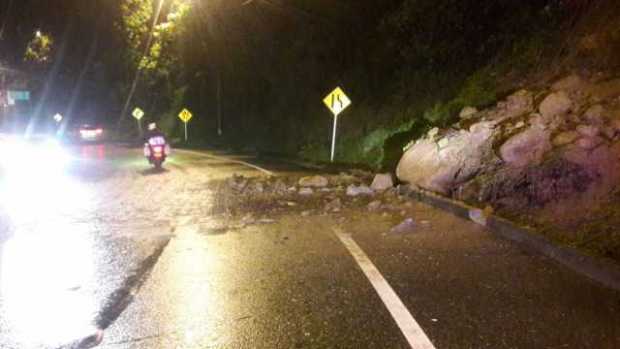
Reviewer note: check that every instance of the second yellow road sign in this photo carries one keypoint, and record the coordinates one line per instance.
(337, 101)
(185, 116)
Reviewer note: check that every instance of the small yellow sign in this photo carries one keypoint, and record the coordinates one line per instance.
(185, 116)
(337, 101)
(138, 113)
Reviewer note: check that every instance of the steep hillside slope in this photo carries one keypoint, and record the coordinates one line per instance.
(548, 154)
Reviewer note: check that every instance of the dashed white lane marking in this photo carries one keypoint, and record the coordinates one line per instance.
(410, 328)
(222, 158)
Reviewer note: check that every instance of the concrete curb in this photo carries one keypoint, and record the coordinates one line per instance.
(602, 271)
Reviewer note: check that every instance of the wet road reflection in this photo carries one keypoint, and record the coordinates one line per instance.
(194, 298)
(97, 151)
(183, 308)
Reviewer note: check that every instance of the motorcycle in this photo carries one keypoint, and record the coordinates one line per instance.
(156, 150)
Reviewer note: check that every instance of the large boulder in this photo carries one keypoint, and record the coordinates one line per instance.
(569, 83)
(589, 142)
(565, 138)
(520, 102)
(595, 115)
(433, 132)
(468, 112)
(459, 158)
(355, 190)
(526, 148)
(557, 103)
(517, 104)
(588, 130)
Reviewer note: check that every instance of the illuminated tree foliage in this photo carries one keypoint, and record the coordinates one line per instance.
(267, 64)
(136, 23)
(138, 16)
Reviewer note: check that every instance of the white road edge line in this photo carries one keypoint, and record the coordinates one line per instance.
(409, 327)
(221, 158)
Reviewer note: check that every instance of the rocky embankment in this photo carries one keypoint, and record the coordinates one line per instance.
(550, 155)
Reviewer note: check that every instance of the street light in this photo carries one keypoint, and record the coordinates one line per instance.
(58, 118)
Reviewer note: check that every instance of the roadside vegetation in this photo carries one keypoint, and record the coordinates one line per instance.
(408, 65)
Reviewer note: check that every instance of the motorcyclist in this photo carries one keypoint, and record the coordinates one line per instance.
(153, 131)
(153, 137)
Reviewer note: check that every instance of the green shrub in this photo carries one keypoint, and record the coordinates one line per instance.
(479, 90)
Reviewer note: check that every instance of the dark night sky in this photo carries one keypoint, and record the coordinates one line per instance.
(77, 27)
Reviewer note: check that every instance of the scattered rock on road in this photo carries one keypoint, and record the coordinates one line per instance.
(382, 182)
(306, 191)
(407, 226)
(314, 181)
(279, 187)
(238, 182)
(259, 187)
(334, 205)
(354, 190)
(375, 205)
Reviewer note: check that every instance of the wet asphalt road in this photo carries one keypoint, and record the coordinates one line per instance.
(114, 248)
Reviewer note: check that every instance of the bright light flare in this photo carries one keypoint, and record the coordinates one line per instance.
(42, 278)
(34, 180)
(25, 158)
(47, 264)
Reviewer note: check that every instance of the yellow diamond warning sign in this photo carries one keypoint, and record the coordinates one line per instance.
(138, 113)
(337, 101)
(185, 116)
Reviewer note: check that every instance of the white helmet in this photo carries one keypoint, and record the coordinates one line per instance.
(152, 126)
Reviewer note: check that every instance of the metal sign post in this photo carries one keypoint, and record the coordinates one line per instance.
(185, 116)
(337, 102)
(334, 138)
(138, 114)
